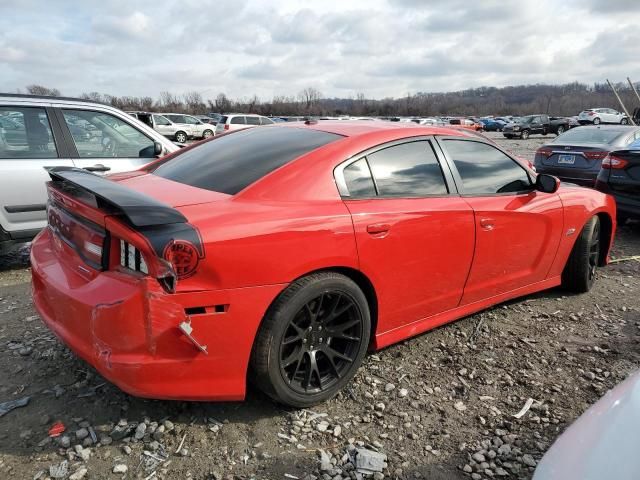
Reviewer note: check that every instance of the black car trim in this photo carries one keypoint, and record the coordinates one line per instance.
(69, 143)
(37, 207)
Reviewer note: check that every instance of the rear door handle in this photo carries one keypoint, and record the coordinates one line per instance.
(487, 223)
(378, 228)
(98, 168)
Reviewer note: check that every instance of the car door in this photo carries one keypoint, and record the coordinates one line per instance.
(518, 228)
(30, 139)
(163, 126)
(415, 235)
(107, 143)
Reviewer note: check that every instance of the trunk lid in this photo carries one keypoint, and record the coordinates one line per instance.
(624, 172)
(575, 156)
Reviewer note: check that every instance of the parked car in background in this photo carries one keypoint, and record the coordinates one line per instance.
(38, 132)
(542, 124)
(353, 215)
(206, 119)
(492, 124)
(465, 123)
(620, 177)
(238, 121)
(178, 132)
(195, 128)
(576, 155)
(597, 116)
(603, 443)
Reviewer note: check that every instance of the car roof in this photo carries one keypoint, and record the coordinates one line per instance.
(354, 128)
(47, 98)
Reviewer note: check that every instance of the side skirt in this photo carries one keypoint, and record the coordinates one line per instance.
(390, 337)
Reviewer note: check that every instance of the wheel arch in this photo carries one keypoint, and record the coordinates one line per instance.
(606, 232)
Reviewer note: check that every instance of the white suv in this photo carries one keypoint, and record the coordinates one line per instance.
(238, 121)
(38, 132)
(196, 128)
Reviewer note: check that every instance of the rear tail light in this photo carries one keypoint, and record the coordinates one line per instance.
(595, 155)
(79, 234)
(226, 126)
(131, 258)
(591, 114)
(614, 163)
(547, 152)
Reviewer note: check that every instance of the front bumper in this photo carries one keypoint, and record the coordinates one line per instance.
(126, 326)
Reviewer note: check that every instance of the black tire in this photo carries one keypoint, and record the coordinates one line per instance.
(560, 130)
(508, 136)
(207, 133)
(596, 121)
(624, 121)
(580, 271)
(284, 343)
(181, 137)
(524, 135)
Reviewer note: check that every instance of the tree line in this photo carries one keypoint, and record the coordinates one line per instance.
(566, 100)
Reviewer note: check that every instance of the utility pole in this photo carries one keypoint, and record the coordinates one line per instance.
(621, 104)
(633, 87)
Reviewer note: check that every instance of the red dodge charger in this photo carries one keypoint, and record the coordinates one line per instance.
(281, 254)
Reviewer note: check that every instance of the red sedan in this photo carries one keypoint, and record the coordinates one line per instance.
(281, 254)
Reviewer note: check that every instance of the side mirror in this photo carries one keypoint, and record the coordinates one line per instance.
(547, 183)
(157, 149)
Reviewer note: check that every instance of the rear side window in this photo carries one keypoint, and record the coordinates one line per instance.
(407, 170)
(232, 162)
(237, 120)
(160, 120)
(266, 121)
(25, 133)
(485, 170)
(223, 120)
(253, 120)
(357, 177)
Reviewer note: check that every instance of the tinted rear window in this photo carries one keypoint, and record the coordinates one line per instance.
(591, 135)
(232, 162)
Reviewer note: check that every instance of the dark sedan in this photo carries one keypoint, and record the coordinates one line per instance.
(620, 177)
(576, 155)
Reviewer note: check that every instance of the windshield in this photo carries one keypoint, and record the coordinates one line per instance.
(232, 162)
(591, 135)
(528, 119)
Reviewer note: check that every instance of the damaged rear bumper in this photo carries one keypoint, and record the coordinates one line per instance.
(128, 328)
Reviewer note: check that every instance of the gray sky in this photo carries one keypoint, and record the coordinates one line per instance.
(341, 47)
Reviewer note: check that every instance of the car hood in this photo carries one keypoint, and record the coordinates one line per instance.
(602, 443)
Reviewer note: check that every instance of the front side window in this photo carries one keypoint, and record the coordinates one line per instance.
(237, 121)
(358, 180)
(101, 135)
(485, 170)
(253, 120)
(407, 170)
(25, 133)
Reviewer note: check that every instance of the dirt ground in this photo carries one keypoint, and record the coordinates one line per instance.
(440, 406)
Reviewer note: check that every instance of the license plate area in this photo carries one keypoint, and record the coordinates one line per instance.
(566, 159)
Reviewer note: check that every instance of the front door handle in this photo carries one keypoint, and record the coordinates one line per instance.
(98, 168)
(378, 228)
(487, 223)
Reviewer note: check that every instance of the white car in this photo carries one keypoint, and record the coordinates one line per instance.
(38, 132)
(597, 116)
(238, 121)
(195, 127)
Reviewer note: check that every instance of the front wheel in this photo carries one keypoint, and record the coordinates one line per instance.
(580, 271)
(524, 135)
(560, 130)
(181, 137)
(312, 340)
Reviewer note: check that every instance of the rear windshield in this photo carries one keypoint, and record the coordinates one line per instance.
(591, 135)
(232, 162)
(223, 119)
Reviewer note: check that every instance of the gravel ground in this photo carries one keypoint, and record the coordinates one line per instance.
(438, 406)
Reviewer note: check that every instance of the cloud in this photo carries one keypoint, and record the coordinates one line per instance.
(378, 47)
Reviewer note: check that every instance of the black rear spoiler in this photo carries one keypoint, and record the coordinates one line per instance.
(139, 209)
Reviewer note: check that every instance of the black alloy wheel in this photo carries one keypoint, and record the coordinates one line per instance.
(321, 342)
(312, 340)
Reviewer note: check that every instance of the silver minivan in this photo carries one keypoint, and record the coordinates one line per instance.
(38, 132)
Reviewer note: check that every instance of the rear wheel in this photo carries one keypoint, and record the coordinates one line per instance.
(580, 271)
(207, 133)
(596, 121)
(560, 130)
(312, 340)
(181, 137)
(624, 121)
(524, 135)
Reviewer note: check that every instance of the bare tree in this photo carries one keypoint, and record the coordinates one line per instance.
(222, 103)
(41, 90)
